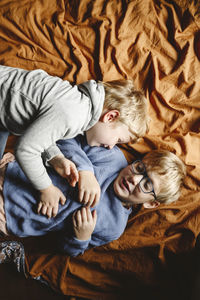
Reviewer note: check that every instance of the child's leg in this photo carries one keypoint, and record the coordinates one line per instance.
(3, 140)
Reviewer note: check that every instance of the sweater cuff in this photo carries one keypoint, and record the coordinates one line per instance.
(42, 183)
(50, 153)
(74, 246)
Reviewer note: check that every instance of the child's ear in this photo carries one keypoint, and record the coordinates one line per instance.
(110, 116)
(151, 204)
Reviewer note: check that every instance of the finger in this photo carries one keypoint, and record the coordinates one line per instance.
(49, 212)
(67, 170)
(44, 210)
(89, 214)
(78, 218)
(90, 201)
(74, 176)
(96, 200)
(93, 203)
(73, 181)
(84, 214)
(74, 219)
(54, 211)
(62, 199)
(86, 198)
(39, 207)
(81, 195)
(94, 216)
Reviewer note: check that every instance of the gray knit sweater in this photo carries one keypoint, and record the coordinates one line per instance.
(42, 109)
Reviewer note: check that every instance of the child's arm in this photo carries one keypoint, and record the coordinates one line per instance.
(87, 232)
(78, 240)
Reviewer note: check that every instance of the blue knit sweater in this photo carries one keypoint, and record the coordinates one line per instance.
(21, 199)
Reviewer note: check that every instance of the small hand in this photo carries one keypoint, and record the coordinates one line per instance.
(89, 189)
(65, 168)
(7, 157)
(84, 222)
(49, 200)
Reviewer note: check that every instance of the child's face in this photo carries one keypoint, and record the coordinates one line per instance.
(127, 187)
(108, 132)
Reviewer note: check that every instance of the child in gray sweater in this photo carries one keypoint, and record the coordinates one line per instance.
(42, 109)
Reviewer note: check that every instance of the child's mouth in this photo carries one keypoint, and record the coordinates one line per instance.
(124, 184)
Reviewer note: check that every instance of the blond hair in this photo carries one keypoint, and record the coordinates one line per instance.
(171, 170)
(131, 104)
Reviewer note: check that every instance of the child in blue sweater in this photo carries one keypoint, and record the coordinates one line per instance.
(153, 180)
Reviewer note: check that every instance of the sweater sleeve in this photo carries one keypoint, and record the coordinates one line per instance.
(74, 247)
(42, 133)
(75, 149)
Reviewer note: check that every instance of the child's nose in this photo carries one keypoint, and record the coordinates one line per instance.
(136, 178)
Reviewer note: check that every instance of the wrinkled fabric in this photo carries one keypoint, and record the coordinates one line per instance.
(157, 43)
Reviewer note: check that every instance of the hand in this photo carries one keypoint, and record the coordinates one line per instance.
(65, 168)
(89, 189)
(84, 222)
(7, 157)
(49, 200)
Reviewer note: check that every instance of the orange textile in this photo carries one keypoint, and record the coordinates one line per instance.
(157, 43)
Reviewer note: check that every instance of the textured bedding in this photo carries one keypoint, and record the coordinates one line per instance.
(157, 43)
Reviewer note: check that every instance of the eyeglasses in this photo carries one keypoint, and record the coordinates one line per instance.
(145, 184)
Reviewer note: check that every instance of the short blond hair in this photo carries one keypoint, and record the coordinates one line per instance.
(131, 104)
(171, 170)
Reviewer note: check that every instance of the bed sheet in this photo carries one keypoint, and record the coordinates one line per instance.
(156, 43)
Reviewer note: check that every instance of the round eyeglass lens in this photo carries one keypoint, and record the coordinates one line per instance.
(146, 185)
(138, 167)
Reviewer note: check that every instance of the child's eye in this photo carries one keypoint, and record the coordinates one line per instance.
(139, 168)
(146, 185)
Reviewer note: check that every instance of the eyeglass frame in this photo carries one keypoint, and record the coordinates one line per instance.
(145, 175)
